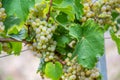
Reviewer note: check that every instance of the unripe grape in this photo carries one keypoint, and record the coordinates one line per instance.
(34, 44)
(51, 57)
(82, 73)
(44, 29)
(68, 63)
(88, 73)
(44, 46)
(42, 38)
(67, 60)
(46, 59)
(33, 24)
(69, 55)
(83, 19)
(93, 75)
(37, 31)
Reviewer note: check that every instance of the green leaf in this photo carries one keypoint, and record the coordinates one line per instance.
(116, 39)
(75, 31)
(17, 12)
(53, 70)
(90, 45)
(22, 34)
(70, 7)
(66, 6)
(64, 51)
(11, 21)
(61, 37)
(115, 14)
(38, 1)
(62, 40)
(57, 1)
(13, 30)
(0, 47)
(16, 47)
(18, 8)
(62, 18)
(78, 9)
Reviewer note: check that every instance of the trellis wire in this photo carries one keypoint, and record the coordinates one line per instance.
(12, 54)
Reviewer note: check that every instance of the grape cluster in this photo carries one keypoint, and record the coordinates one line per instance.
(2, 17)
(100, 11)
(43, 43)
(74, 71)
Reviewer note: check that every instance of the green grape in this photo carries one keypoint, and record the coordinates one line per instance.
(2, 17)
(100, 11)
(75, 71)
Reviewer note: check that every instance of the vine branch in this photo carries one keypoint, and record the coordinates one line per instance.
(48, 15)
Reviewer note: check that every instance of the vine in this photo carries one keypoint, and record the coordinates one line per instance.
(67, 35)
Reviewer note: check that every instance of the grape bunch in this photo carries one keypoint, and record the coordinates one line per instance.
(74, 71)
(43, 44)
(43, 41)
(2, 17)
(100, 11)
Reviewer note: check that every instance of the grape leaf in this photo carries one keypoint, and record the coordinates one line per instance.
(16, 47)
(0, 47)
(22, 34)
(17, 11)
(53, 70)
(62, 18)
(11, 21)
(115, 14)
(70, 7)
(57, 1)
(90, 44)
(116, 40)
(78, 9)
(13, 30)
(66, 6)
(64, 51)
(18, 8)
(75, 31)
(38, 1)
(62, 38)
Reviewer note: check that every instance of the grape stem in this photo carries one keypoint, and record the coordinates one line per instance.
(62, 62)
(48, 15)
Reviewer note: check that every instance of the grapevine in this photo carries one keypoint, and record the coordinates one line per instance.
(67, 35)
